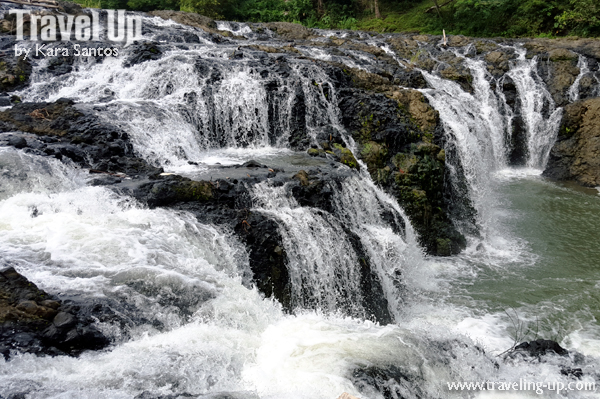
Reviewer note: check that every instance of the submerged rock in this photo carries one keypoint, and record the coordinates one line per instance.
(541, 347)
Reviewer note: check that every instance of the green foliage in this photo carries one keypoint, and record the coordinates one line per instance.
(209, 8)
(582, 18)
(89, 3)
(149, 5)
(541, 18)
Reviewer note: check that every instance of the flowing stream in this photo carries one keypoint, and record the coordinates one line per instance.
(198, 327)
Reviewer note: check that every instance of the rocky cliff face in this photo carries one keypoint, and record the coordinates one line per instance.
(576, 154)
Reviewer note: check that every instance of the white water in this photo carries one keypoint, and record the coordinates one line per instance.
(538, 110)
(476, 128)
(583, 70)
(324, 269)
(216, 333)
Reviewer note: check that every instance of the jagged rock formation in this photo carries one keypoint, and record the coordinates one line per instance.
(576, 154)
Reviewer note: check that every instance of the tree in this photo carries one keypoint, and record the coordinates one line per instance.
(582, 17)
(376, 7)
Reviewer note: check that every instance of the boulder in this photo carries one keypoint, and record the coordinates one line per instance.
(33, 321)
(290, 31)
(187, 18)
(541, 347)
(576, 153)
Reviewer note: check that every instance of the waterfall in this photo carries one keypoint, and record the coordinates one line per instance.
(391, 244)
(186, 318)
(475, 127)
(20, 172)
(538, 110)
(324, 268)
(583, 70)
(188, 102)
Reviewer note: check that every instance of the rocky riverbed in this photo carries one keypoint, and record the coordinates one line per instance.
(386, 127)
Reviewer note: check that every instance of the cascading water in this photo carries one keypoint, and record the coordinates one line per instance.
(583, 70)
(476, 127)
(538, 110)
(193, 322)
(324, 268)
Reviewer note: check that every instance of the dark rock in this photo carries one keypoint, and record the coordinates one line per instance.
(576, 153)
(572, 372)
(17, 142)
(541, 347)
(142, 53)
(390, 381)
(64, 320)
(66, 130)
(33, 321)
(402, 159)
(14, 73)
(253, 164)
(167, 190)
(267, 258)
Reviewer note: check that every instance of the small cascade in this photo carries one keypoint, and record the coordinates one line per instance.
(538, 110)
(323, 266)
(20, 172)
(237, 28)
(475, 127)
(584, 69)
(385, 233)
(191, 101)
(325, 263)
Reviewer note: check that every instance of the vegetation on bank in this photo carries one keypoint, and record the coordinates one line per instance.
(514, 18)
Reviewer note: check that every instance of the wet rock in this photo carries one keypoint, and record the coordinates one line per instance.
(66, 130)
(541, 347)
(289, 30)
(576, 153)
(267, 257)
(33, 321)
(17, 142)
(14, 73)
(170, 189)
(142, 53)
(187, 18)
(253, 164)
(402, 159)
(345, 155)
(391, 382)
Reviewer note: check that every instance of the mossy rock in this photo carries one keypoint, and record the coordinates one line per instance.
(14, 74)
(383, 175)
(302, 177)
(562, 54)
(346, 156)
(374, 154)
(441, 156)
(405, 163)
(444, 247)
(193, 191)
(316, 152)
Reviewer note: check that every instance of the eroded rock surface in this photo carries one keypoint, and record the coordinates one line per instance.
(576, 154)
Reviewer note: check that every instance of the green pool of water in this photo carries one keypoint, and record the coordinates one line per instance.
(540, 267)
